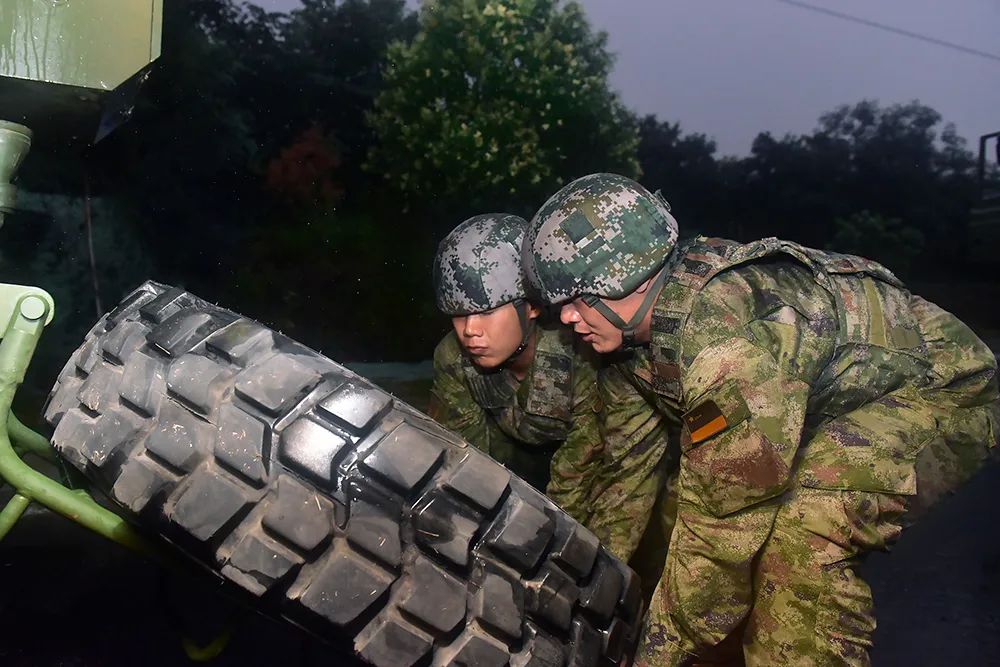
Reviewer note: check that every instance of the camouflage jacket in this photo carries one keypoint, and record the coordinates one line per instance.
(784, 365)
(544, 428)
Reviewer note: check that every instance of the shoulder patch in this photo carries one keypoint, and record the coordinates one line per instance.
(704, 421)
(720, 410)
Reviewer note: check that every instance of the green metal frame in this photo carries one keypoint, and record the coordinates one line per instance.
(27, 310)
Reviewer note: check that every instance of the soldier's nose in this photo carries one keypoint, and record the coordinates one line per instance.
(568, 314)
(471, 329)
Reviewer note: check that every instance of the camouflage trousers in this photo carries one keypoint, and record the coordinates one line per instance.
(810, 606)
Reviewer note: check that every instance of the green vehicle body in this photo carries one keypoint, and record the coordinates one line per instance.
(68, 74)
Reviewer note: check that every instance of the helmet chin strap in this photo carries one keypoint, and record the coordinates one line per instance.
(527, 328)
(628, 328)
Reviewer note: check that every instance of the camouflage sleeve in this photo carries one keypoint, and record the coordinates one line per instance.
(634, 463)
(451, 404)
(578, 460)
(748, 366)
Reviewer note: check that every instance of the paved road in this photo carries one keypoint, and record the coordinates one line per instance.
(937, 594)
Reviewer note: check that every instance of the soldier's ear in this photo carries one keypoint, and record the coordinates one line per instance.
(533, 311)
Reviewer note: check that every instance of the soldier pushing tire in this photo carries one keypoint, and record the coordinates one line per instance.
(328, 502)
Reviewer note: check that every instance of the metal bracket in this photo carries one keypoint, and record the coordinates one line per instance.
(18, 299)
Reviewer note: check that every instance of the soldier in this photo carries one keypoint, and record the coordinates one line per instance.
(509, 383)
(819, 401)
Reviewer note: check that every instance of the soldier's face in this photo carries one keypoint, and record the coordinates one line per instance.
(591, 326)
(490, 337)
(596, 330)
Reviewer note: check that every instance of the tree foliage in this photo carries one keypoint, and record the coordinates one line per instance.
(885, 171)
(496, 103)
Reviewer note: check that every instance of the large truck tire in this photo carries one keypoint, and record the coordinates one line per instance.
(327, 501)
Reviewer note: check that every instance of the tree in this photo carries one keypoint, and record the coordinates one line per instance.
(325, 71)
(495, 104)
(896, 162)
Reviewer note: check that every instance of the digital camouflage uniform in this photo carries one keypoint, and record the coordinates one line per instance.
(544, 428)
(819, 402)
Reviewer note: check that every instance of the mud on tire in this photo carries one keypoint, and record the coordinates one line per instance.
(336, 506)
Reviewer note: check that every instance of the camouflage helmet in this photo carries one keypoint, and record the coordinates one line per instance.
(478, 265)
(601, 235)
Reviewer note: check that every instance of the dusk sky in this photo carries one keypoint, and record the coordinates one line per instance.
(733, 68)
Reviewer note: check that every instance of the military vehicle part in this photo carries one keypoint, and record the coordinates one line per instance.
(340, 508)
(15, 141)
(70, 70)
(26, 311)
(984, 222)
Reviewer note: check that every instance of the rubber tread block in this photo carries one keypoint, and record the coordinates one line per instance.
(405, 456)
(164, 305)
(112, 431)
(585, 645)
(139, 481)
(276, 383)
(552, 595)
(575, 548)
(143, 383)
(185, 330)
(445, 527)
(434, 596)
(122, 341)
(373, 525)
(613, 640)
(199, 381)
(538, 650)
(602, 593)
(63, 399)
(312, 450)
(260, 561)
(474, 648)
(298, 514)
(88, 355)
(131, 304)
(356, 406)
(393, 642)
(631, 597)
(240, 443)
(178, 438)
(480, 479)
(99, 391)
(344, 587)
(73, 429)
(207, 503)
(520, 533)
(238, 342)
(499, 603)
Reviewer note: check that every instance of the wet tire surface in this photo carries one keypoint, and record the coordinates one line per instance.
(327, 502)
